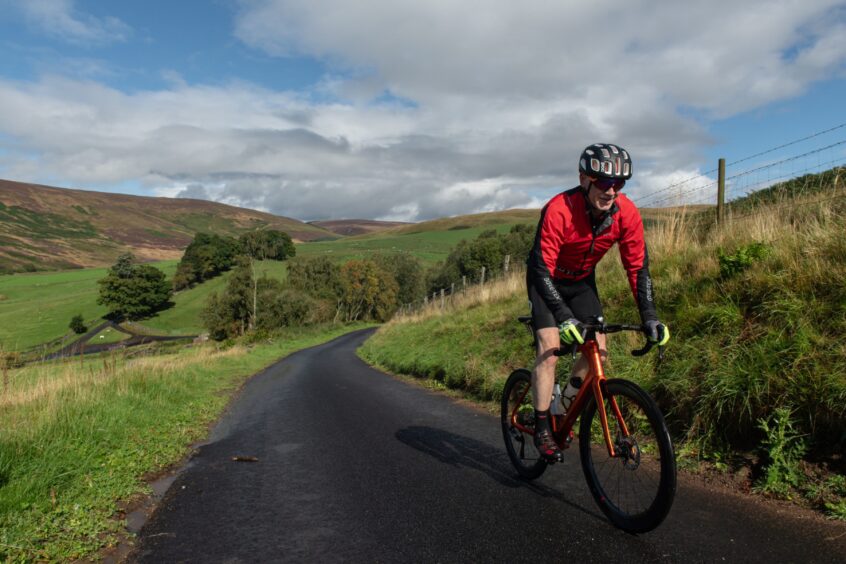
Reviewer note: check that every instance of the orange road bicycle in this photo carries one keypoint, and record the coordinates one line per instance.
(626, 452)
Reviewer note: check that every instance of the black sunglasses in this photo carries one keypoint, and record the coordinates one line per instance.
(605, 183)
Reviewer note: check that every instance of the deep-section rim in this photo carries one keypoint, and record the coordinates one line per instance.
(657, 511)
(538, 466)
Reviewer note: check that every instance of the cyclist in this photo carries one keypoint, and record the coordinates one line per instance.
(576, 229)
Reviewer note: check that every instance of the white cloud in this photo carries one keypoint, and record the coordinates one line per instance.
(60, 19)
(495, 101)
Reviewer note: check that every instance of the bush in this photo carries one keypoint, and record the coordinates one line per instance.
(286, 308)
(229, 314)
(488, 250)
(742, 259)
(408, 272)
(318, 277)
(784, 448)
(77, 324)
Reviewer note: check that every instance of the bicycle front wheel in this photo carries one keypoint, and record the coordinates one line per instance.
(634, 488)
(518, 423)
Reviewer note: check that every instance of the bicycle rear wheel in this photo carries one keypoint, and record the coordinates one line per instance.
(517, 401)
(636, 487)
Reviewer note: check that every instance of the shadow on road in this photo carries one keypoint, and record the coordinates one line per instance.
(458, 450)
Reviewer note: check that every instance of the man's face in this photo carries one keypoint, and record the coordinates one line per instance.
(602, 192)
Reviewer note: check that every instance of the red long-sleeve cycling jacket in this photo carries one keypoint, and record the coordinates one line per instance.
(569, 243)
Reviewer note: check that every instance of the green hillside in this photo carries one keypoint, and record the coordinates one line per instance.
(44, 228)
(36, 308)
(756, 371)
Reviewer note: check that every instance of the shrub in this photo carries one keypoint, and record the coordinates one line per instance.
(784, 449)
(742, 259)
(77, 324)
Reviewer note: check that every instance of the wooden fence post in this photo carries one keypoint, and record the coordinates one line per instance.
(483, 276)
(721, 190)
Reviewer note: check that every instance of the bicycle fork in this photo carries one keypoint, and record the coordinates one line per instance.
(592, 352)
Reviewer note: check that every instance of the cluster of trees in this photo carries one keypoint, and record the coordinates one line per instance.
(209, 255)
(488, 250)
(319, 290)
(135, 291)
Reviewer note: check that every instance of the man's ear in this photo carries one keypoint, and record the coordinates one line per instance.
(584, 180)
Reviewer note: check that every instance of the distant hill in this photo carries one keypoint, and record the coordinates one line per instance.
(347, 227)
(462, 222)
(46, 228)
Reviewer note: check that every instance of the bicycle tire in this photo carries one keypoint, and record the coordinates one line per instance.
(520, 446)
(636, 488)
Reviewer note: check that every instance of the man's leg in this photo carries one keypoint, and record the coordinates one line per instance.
(543, 376)
(543, 382)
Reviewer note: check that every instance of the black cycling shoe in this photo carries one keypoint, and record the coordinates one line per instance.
(547, 447)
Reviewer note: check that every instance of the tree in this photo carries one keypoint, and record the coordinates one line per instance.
(231, 313)
(267, 244)
(133, 291)
(318, 277)
(206, 256)
(487, 250)
(368, 292)
(283, 306)
(408, 272)
(77, 324)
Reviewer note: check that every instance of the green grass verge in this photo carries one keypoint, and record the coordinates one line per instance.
(75, 438)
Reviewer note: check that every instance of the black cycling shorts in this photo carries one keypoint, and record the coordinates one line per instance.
(581, 297)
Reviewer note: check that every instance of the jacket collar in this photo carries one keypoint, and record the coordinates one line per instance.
(604, 221)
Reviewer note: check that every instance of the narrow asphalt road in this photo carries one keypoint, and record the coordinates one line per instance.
(356, 466)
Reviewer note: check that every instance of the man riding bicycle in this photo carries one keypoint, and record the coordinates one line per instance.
(576, 229)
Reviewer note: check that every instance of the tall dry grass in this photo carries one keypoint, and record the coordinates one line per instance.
(493, 291)
(79, 379)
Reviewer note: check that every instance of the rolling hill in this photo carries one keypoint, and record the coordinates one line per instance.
(348, 227)
(46, 228)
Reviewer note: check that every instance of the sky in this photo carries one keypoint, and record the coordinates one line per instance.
(401, 110)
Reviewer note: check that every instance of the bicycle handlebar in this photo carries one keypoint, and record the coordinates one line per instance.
(602, 327)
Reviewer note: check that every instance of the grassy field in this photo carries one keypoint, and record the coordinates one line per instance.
(756, 372)
(430, 246)
(37, 308)
(184, 317)
(77, 437)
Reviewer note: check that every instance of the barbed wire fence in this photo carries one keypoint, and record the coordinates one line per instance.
(814, 153)
(471, 287)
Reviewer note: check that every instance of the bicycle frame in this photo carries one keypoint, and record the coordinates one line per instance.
(592, 384)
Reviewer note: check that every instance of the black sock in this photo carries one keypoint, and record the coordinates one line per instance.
(541, 421)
